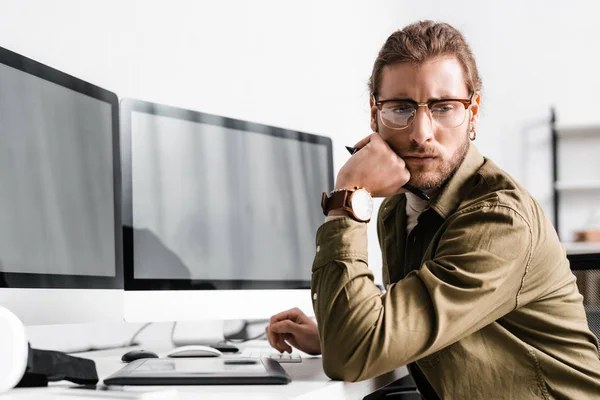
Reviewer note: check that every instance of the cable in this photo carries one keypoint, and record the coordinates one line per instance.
(235, 337)
(132, 341)
(173, 333)
(245, 340)
(226, 339)
(128, 343)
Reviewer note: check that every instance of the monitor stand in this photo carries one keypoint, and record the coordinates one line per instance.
(207, 332)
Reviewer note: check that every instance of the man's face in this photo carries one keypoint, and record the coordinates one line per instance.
(432, 152)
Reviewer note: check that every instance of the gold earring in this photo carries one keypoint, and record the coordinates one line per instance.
(472, 134)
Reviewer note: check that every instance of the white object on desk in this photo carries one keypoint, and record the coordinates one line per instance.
(195, 350)
(122, 392)
(262, 352)
(13, 350)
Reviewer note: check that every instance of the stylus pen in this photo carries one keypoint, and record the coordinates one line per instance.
(417, 192)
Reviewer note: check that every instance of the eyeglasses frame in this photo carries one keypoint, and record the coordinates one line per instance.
(379, 104)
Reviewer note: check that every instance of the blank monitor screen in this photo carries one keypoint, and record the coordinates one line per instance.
(59, 180)
(220, 203)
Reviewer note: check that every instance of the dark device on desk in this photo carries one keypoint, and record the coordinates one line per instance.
(225, 347)
(45, 366)
(137, 354)
(200, 371)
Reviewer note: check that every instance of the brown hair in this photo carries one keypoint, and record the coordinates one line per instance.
(421, 41)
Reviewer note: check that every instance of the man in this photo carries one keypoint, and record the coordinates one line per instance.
(480, 301)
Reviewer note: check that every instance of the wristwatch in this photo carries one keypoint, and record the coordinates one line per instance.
(356, 201)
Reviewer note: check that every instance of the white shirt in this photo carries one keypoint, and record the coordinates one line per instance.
(414, 207)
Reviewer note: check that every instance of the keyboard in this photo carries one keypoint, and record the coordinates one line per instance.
(261, 352)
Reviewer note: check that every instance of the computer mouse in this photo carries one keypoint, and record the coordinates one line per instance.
(137, 354)
(194, 351)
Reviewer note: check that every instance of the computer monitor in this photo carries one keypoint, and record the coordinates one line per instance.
(60, 234)
(219, 214)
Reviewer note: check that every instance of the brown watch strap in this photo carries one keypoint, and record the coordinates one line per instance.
(337, 200)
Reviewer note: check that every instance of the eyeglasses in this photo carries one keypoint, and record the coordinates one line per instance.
(400, 113)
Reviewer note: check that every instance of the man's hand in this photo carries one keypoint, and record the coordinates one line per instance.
(293, 327)
(376, 167)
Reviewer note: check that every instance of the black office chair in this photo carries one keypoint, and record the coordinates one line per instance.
(586, 268)
(402, 389)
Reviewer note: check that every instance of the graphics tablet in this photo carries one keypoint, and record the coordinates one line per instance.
(200, 371)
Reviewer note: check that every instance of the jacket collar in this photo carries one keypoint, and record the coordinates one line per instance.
(451, 195)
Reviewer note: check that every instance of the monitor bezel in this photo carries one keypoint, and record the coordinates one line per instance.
(128, 106)
(64, 281)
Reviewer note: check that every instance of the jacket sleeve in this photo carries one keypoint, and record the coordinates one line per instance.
(473, 279)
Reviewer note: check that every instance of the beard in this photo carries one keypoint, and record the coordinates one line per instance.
(434, 179)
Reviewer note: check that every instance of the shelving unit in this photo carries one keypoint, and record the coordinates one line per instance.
(580, 177)
(582, 247)
(565, 186)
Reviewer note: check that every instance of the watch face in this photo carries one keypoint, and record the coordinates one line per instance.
(362, 204)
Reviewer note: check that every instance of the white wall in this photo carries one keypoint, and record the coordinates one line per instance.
(304, 64)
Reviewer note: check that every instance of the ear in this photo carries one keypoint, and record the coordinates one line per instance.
(475, 107)
(374, 126)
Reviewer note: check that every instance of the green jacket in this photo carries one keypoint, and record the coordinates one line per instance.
(480, 299)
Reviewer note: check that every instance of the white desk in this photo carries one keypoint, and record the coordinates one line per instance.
(308, 382)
